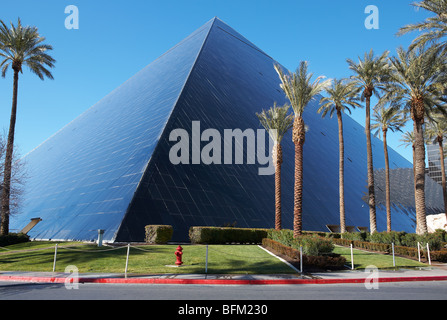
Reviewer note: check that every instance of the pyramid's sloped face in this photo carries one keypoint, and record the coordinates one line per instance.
(83, 178)
(231, 81)
(111, 168)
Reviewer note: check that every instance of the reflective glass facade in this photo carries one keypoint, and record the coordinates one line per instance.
(434, 161)
(110, 168)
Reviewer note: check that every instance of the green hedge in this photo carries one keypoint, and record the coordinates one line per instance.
(436, 240)
(407, 251)
(321, 261)
(313, 244)
(440, 255)
(158, 234)
(222, 235)
(13, 238)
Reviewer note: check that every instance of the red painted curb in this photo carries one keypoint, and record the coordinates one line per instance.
(217, 281)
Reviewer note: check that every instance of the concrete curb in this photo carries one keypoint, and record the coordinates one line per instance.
(46, 279)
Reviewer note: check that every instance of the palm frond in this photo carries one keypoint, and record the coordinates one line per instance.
(276, 121)
(371, 73)
(436, 129)
(417, 75)
(434, 28)
(388, 118)
(341, 95)
(407, 139)
(299, 87)
(22, 45)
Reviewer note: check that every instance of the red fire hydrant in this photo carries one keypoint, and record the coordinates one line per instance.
(178, 254)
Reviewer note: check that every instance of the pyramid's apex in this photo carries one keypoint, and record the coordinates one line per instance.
(216, 18)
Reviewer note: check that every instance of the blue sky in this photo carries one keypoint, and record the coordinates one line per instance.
(118, 38)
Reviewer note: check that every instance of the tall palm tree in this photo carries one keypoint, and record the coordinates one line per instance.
(416, 87)
(387, 119)
(436, 130)
(300, 90)
(370, 73)
(20, 46)
(434, 29)
(277, 122)
(341, 97)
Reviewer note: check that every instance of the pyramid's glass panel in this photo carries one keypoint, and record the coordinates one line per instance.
(83, 178)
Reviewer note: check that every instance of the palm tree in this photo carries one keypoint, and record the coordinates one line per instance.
(300, 90)
(20, 45)
(436, 130)
(277, 122)
(387, 119)
(370, 74)
(416, 87)
(434, 28)
(342, 96)
(408, 140)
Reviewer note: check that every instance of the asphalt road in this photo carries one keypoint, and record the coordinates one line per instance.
(434, 290)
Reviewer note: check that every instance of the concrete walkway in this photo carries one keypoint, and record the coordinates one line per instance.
(433, 273)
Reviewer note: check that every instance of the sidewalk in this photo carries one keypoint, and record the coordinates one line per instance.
(432, 273)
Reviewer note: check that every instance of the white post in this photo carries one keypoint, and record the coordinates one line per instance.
(428, 254)
(206, 260)
(394, 260)
(419, 252)
(55, 254)
(100, 237)
(352, 258)
(127, 259)
(301, 259)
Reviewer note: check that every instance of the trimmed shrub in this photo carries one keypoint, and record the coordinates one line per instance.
(312, 243)
(387, 237)
(405, 244)
(358, 236)
(13, 238)
(224, 235)
(434, 240)
(408, 252)
(440, 255)
(284, 236)
(322, 262)
(158, 234)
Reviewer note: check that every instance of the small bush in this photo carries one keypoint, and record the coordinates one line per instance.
(158, 234)
(324, 262)
(440, 255)
(312, 243)
(387, 237)
(13, 238)
(407, 251)
(358, 236)
(223, 235)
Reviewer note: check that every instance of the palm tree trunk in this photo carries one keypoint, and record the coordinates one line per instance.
(298, 136)
(372, 197)
(341, 146)
(278, 162)
(419, 178)
(4, 227)
(387, 182)
(444, 192)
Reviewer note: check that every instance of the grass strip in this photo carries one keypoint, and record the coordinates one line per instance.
(363, 259)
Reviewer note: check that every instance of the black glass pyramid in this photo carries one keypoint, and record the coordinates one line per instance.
(110, 168)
